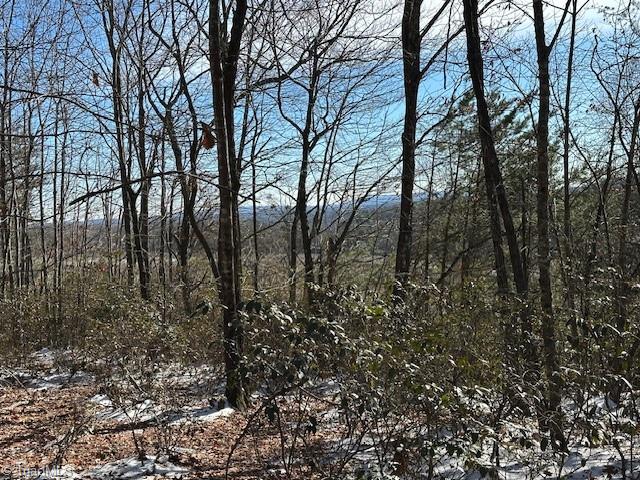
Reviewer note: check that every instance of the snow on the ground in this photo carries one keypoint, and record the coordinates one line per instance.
(199, 379)
(515, 461)
(147, 410)
(129, 468)
(58, 380)
(101, 400)
(198, 385)
(143, 411)
(132, 468)
(44, 357)
(201, 414)
(44, 373)
(579, 464)
(47, 370)
(44, 380)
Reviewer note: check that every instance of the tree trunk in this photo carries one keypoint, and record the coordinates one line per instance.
(496, 192)
(145, 171)
(411, 39)
(301, 207)
(554, 393)
(568, 236)
(293, 258)
(223, 72)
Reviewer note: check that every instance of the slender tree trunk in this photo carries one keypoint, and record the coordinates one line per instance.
(170, 234)
(471, 219)
(293, 258)
(254, 224)
(108, 215)
(223, 74)
(5, 152)
(162, 269)
(411, 40)
(184, 230)
(496, 193)
(623, 288)
(109, 19)
(301, 207)
(145, 186)
(56, 230)
(568, 236)
(61, 216)
(554, 393)
(427, 223)
(44, 275)
(447, 222)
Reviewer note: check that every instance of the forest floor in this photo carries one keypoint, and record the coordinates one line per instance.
(56, 423)
(49, 416)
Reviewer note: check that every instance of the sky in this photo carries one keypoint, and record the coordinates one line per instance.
(504, 25)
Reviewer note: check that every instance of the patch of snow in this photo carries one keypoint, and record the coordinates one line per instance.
(10, 377)
(203, 379)
(139, 412)
(202, 414)
(580, 464)
(148, 410)
(44, 357)
(102, 400)
(52, 380)
(58, 380)
(132, 468)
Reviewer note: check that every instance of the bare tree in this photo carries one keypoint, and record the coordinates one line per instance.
(496, 193)
(411, 42)
(414, 71)
(552, 371)
(224, 50)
